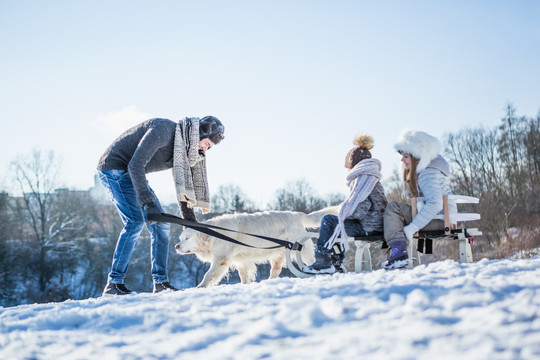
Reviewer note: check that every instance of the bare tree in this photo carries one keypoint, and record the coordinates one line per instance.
(7, 262)
(474, 160)
(231, 199)
(36, 175)
(520, 154)
(298, 196)
(530, 141)
(502, 167)
(476, 170)
(333, 199)
(511, 150)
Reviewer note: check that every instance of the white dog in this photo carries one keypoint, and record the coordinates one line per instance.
(223, 255)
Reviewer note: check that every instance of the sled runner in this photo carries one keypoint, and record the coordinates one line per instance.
(422, 241)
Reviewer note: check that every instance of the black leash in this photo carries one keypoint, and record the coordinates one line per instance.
(207, 229)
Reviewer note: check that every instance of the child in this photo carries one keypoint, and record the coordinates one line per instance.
(361, 212)
(425, 173)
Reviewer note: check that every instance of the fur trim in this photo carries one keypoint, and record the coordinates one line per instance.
(420, 145)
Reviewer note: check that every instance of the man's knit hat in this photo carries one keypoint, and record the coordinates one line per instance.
(210, 127)
(363, 143)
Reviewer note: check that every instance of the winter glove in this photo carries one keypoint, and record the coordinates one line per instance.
(410, 230)
(151, 208)
(187, 212)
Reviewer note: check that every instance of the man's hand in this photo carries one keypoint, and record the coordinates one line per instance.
(187, 212)
(151, 208)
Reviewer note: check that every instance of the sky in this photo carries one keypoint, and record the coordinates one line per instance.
(292, 81)
(445, 310)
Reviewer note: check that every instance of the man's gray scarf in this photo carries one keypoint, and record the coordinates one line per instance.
(361, 180)
(189, 167)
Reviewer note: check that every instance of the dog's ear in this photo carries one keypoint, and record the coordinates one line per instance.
(204, 237)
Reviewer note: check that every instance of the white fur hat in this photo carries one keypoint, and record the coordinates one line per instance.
(420, 145)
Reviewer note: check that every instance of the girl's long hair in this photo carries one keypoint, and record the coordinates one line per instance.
(410, 177)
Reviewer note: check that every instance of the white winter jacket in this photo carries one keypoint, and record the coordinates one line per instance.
(432, 185)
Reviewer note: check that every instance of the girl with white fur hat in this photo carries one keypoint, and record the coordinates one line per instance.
(425, 173)
(361, 213)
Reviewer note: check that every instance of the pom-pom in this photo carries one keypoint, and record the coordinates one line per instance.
(363, 141)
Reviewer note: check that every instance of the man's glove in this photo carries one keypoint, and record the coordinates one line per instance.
(151, 208)
(187, 212)
(410, 230)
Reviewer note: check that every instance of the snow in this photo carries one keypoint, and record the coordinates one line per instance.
(445, 310)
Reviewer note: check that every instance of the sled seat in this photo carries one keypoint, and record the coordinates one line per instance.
(421, 242)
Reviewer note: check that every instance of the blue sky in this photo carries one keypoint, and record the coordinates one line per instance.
(293, 81)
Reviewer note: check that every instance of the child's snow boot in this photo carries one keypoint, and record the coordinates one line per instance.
(322, 264)
(398, 258)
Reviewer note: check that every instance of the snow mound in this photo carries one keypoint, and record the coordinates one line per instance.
(446, 310)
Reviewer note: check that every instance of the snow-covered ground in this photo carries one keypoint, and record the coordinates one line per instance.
(446, 310)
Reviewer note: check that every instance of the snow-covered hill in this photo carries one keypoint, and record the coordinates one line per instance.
(446, 310)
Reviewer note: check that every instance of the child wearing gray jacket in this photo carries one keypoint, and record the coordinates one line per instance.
(361, 213)
(425, 173)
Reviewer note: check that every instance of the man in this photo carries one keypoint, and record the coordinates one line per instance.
(155, 145)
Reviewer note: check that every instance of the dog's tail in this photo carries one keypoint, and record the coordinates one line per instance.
(313, 219)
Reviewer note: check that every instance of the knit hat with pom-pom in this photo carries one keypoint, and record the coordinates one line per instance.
(363, 143)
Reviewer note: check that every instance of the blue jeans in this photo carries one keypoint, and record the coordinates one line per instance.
(119, 186)
(329, 224)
